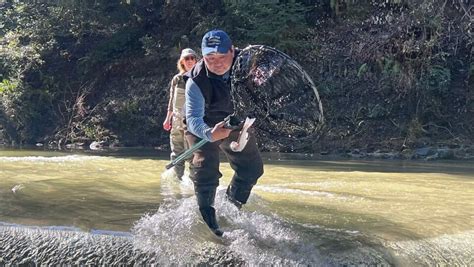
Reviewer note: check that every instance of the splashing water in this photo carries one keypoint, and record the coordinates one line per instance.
(17, 187)
(172, 187)
(177, 232)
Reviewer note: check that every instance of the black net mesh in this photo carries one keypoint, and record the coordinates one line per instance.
(270, 86)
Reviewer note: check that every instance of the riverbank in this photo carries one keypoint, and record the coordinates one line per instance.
(428, 153)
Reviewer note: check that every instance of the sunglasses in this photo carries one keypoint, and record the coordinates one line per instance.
(189, 58)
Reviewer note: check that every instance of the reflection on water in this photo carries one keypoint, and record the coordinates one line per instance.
(118, 208)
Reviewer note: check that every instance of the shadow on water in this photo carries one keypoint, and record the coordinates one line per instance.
(118, 152)
(302, 160)
(398, 166)
(344, 219)
(321, 162)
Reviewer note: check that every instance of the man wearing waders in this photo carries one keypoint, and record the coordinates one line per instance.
(208, 103)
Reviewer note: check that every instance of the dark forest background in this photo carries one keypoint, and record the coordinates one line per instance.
(392, 74)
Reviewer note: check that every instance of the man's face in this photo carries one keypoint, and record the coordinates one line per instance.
(219, 63)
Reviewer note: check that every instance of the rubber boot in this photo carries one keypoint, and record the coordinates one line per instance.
(238, 194)
(205, 200)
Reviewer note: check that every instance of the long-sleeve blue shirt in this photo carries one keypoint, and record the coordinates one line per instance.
(195, 110)
(194, 106)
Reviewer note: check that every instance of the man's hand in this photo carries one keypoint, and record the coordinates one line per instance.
(219, 132)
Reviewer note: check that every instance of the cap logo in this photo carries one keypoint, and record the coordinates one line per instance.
(214, 41)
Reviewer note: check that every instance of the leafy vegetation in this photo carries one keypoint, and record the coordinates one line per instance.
(391, 74)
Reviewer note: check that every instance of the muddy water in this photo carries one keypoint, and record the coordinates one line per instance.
(113, 208)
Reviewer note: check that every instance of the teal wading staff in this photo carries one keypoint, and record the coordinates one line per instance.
(231, 122)
(186, 154)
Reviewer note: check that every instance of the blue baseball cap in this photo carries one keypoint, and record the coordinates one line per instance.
(215, 41)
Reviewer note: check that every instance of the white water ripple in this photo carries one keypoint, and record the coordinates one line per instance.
(40, 159)
(283, 190)
(444, 250)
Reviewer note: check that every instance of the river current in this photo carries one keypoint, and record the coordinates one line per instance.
(123, 208)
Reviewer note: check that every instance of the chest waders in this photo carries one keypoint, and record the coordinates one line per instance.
(177, 139)
(247, 163)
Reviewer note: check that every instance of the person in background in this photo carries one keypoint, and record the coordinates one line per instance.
(175, 115)
(208, 103)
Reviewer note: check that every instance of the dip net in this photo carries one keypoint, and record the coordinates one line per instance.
(270, 86)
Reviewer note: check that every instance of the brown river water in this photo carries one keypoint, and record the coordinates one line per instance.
(120, 207)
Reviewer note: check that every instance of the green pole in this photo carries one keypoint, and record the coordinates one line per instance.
(186, 154)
